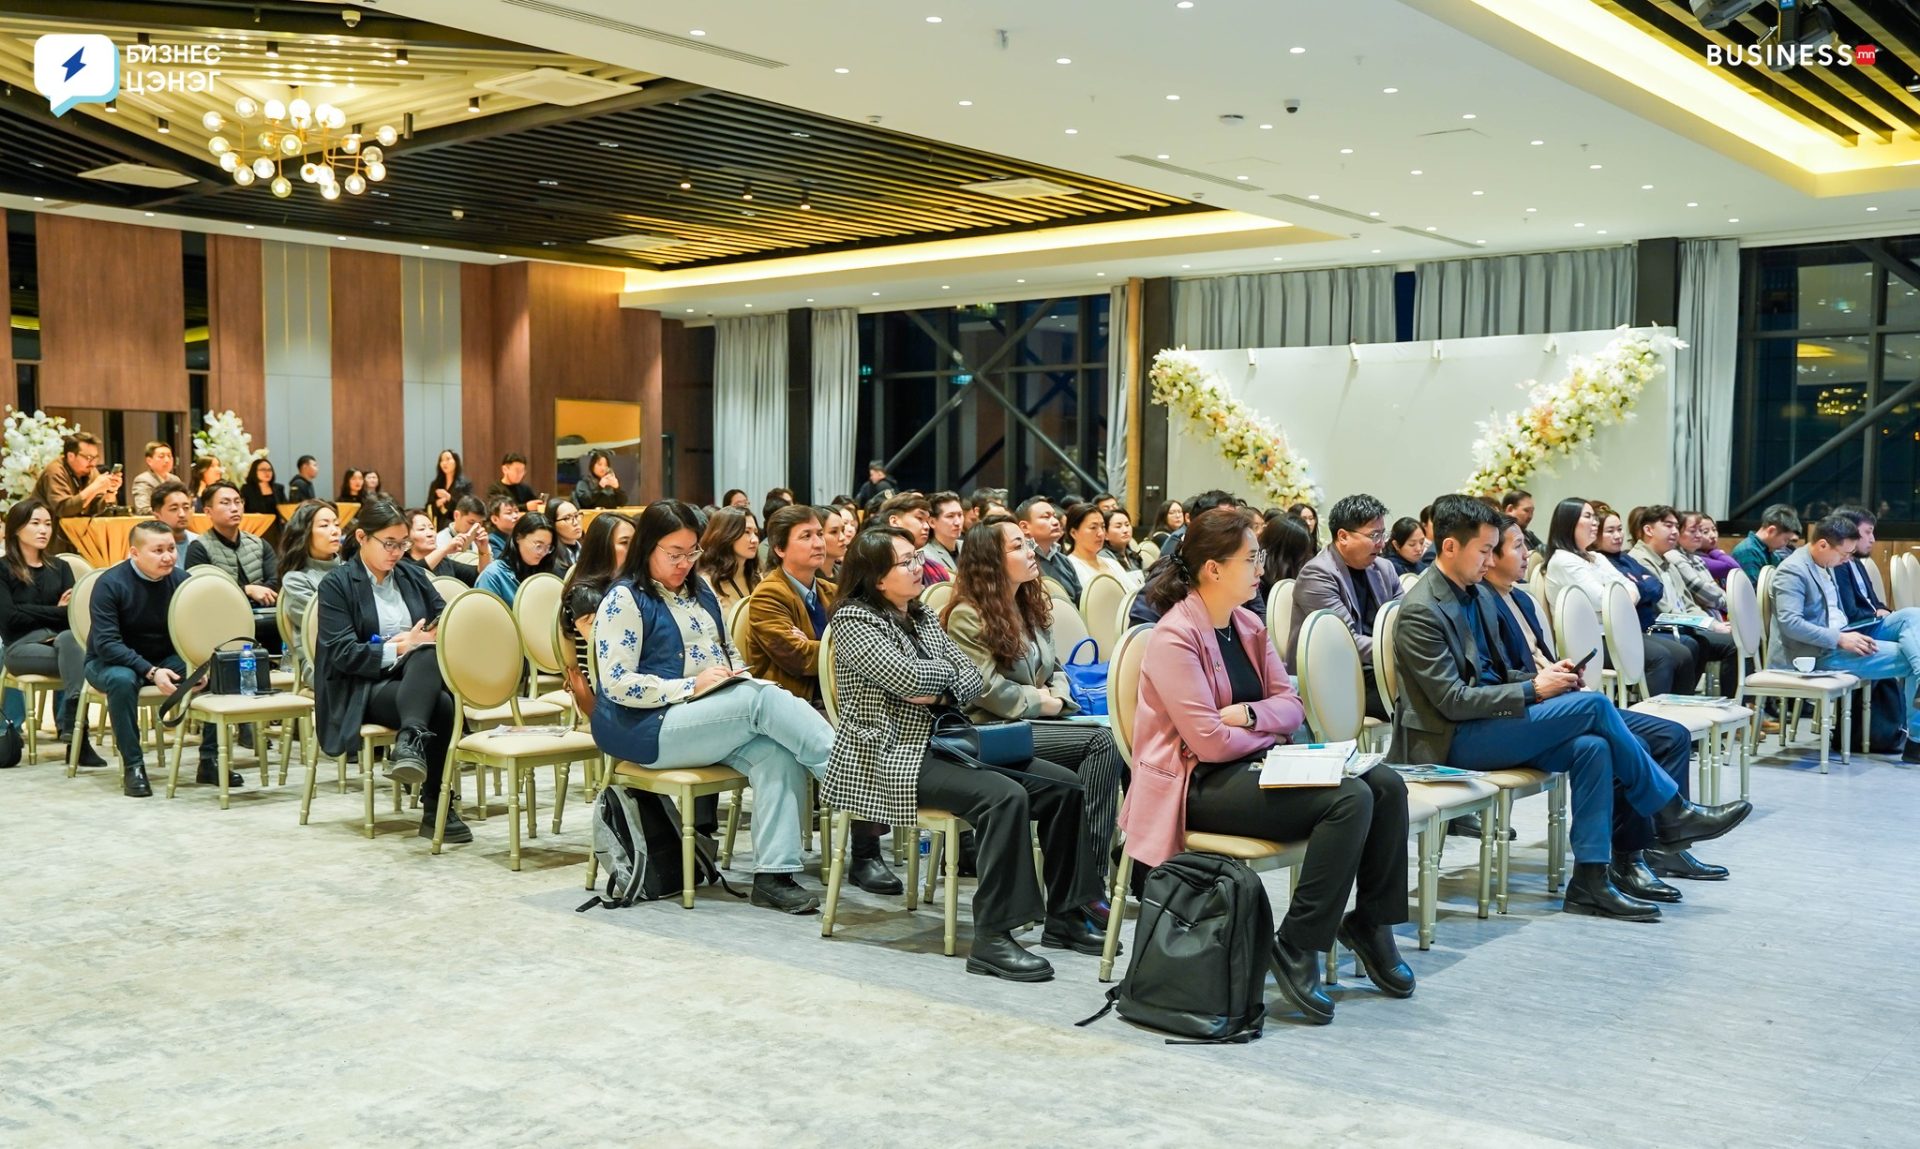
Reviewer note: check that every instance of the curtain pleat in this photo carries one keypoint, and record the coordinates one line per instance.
(1119, 415)
(750, 403)
(1285, 309)
(1704, 373)
(1532, 294)
(836, 400)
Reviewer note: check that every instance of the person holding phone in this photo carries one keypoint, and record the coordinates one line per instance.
(374, 660)
(75, 486)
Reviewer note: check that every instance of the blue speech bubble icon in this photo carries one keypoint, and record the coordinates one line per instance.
(76, 68)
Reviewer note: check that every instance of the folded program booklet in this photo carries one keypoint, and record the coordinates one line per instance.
(1315, 764)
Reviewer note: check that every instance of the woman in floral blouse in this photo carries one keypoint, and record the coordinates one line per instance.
(674, 694)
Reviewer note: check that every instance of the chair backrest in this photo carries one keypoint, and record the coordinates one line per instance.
(208, 569)
(1149, 554)
(1743, 613)
(1536, 562)
(1906, 572)
(1054, 588)
(1537, 590)
(479, 650)
(1330, 680)
(1763, 593)
(935, 596)
(829, 686)
(448, 586)
(1626, 642)
(1407, 580)
(310, 630)
(734, 614)
(80, 607)
(1123, 686)
(1386, 675)
(1069, 629)
(1878, 580)
(78, 565)
(1576, 630)
(1124, 612)
(1280, 617)
(281, 621)
(1100, 608)
(534, 609)
(205, 613)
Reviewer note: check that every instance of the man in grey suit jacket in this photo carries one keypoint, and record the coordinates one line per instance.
(1350, 579)
(1461, 705)
(1809, 622)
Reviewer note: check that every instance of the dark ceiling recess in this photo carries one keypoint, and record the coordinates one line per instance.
(543, 181)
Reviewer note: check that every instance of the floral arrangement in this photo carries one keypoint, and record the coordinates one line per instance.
(1560, 420)
(226, 440)
(1251, 444)
(32, 444)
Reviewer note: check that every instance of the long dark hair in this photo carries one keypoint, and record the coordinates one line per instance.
(202, 467)
(347, 494)
(439, 478)
(718, 563)
(1566, 520)
(666, 517)
(253, 474)
(1212, 536)
(17, 520)
(869, 560)
(296, 542)
(595, 565)
(1010, 617)
(1127, 557)
(1073, 516)
(1286, 543)
(527, 524)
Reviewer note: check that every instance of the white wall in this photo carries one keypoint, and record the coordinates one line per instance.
(1400, 424)
(299, 361)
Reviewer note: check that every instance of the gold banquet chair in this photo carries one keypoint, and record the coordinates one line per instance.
(1100, 602)
(1825, 691)
(80, 619)
(935, 596)
(372, 737)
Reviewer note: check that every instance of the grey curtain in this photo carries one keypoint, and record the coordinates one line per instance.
(750, 403)
(1119, 409)
(1703, 373)
(836, 400)
(1531, 294)
(1285, 309)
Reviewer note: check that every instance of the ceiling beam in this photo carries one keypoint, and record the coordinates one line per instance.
(288, 19)
(547, 115)
(122, 142)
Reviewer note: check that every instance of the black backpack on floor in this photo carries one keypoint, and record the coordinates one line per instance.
(636, 838)
(1200, 953)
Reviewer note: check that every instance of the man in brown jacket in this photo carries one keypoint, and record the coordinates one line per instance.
(74, 487)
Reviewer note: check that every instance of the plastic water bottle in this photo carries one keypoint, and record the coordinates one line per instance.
(926, 848)
(249, 684)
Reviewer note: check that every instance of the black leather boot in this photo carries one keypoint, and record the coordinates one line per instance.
(870, 871)
(781, 892)
(1379, 955)
(133, 781)
(67, 723)
(407, 761)
(996, 954)
(1298, 972)
(1631, 875)
(1681, 864)
(1590, 892)
(210, 775)
(458, 832)
(1680, 823)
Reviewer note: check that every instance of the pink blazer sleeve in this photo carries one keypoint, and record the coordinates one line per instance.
(1181, 664)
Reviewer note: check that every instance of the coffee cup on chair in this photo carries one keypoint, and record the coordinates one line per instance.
(1803, 664)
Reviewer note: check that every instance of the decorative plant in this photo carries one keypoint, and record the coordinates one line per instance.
(32, 444)
(226, 440)
(1250, 443)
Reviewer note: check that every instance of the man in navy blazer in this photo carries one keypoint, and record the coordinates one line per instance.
(1639, 861)
(1350, 578)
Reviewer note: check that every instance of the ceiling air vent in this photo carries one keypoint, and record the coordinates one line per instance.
(139, 175)
(1030, 187)
(556, 86)
(639, 241)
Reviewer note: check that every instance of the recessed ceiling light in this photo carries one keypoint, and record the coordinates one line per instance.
(1313, 197)
(1389, 91)
(876, 294)
(801, 135)
(503, 255)
(966, 103)
(1185, 266)
(946, 287)
(1416, 172)
(1296, 50)
(1016, 281)
(809, 300)
(1073, 131)
(609, 143)
(1869, 209)
(1536, 143)
(549, 183)
(39, 199)
(1579, 225)
(1184, 4)
(1172, 97)
(933, 19)
(1735, 219)
(342, 238)
(1279, 259)
(1533, 209)
(1346, 151)
(696, 32)
(1376, 251)
(249, 227)
(1479, 193)
(1063, 60)
(1593, 167)
(1469, 116)
(1242, 178)
(837, 72)
(1374, 214)
(1602, 231)
(689, 311)
(1693, 203)
(1433, 229)
(423, 247)
(1266, 127)
(1099, 275)
(1646, 187)
(149, 214)
(1479, 241)
(749, 305)
(1163, 156)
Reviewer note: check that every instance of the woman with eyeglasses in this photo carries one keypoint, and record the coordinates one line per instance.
(374, 660)
(1214, 698)
(730, 554)
(567, 533)
(529, 552)
(674, 693)
(309, 551)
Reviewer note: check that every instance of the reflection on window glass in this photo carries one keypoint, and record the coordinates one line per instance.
(1822, 287)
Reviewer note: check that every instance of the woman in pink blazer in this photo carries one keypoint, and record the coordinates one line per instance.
(1213, 699)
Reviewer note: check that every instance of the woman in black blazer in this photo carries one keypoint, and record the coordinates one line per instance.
(374, 660)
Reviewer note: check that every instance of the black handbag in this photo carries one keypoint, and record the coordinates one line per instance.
(219, 675)
(1003, 744)
(11, 744)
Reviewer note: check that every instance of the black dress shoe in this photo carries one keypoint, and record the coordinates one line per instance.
(458, 832)
(1298, 972)
(133, 781)
(1590, 892)
(1098, 910)
(88, 755)
(1911, 754)
(874, 876)
(1378, 954)
(1631, 876)
(1680, 823)
(1470, 826)
(996, 954)
(1680, 864)
(781, 892)
(1073, 931)
(407, 761)
(210, 776)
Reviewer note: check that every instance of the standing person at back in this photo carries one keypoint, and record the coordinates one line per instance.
(879, 484)
(306, 470)
(245, 557)
(1351, 579)
(159, 470)
(74, 487)
(513, 481)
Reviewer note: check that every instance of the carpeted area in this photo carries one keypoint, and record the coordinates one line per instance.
(174, 975)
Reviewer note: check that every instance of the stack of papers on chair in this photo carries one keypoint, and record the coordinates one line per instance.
(1703, 701)
(509, 731)
(1315, 764)
(1683, 620)
(1433, 773)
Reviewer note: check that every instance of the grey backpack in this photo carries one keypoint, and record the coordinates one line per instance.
(636, 839)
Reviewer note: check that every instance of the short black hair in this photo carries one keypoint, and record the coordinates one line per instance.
(1835, 529)
(941, 498)
(1207, 500)
(1460, 517)
(512, 457)
(1024, 511)
(1782, 516)
(1501, 521)
(207, 492)
(1353, 512)
(1512, 499)
(877, 465)
(1861, 516)
(470, 505)
(499, 502)
(303, 461)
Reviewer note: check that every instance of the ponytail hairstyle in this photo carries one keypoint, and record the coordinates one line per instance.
(1212, 536)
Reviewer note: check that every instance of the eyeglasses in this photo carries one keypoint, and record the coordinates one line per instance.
(393, 546)
(681, 558)
(573, 518)
(911, 562)
(1376, 537)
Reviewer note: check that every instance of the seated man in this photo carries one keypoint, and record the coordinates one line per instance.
(1809, 621)
(513, 483)
(172, 504)
(1767, 547)
(1639, 861)
(1461, 705)
(502, 513)
(128, 647)
(74, 486)
(159, 470)
(1350, 578)
(1042, 524)
(911, 512)
(1519, 504)
(467, 562)
(1655, 531)
(1857, 596)
(246, 557)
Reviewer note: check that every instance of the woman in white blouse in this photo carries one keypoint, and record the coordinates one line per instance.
(1574, 561)
(674, 693)
(1086, 531)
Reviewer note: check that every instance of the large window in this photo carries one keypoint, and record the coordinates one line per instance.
(1828, 405)
(1046, 358)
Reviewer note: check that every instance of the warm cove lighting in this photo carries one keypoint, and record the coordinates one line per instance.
(1687, 82)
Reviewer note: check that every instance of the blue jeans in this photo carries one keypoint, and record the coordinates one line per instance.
(1582, 736)
(769, 735)
(1897, 656)
(121, 688)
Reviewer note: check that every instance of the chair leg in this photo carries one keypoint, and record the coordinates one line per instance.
(913, 862)
(225, 734)
(953, 886)
(366, 785)
(1500, 823)
(79, 724)
(1823, 735)
(1434, 831)
(685, 800)
(306, 795)
(1845, 702)
(562, 774)
(836, 869)
(1486, 860)
(934, 862)
(449, 785)
(1117, 901)
(179, 748)
(514, 793)
(1556, 832)
(733, 827)
(530, 778)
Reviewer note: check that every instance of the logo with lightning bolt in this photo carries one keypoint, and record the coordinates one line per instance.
(76, 68)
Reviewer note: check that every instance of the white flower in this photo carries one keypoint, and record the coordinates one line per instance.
(226, 440)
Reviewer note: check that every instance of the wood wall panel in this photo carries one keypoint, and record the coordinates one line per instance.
(367, 395)
(576, 349)
(8, 388)
(511, 388)
(686, 407)
(643, 351)
(236, 348)
(112, 314)
(477, 446)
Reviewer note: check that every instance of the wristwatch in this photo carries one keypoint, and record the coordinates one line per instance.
(1251, 718)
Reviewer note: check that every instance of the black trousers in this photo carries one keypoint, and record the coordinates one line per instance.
(1671, 748)
(412, 694)
(1709, 647)
(1670, 666)
(999, 807)
(1087, 749)
(1376, 706)
(1356, 830)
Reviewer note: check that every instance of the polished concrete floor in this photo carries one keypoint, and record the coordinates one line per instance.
(174, 975)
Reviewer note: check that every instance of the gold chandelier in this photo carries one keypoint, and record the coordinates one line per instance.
(265, 136)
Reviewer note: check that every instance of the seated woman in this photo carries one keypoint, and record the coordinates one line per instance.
(1285, 546)
(601, 552)
(34, 589)
(729, 554)
(353, 486)
(1577, 557)
(1120, 557)
(260, 495)
(1001, 618)
(1706, 534)
(837, 527)
(309, 551)
(1170, 519)
(892, 664)
(529, 552)
(1407, 547)
(1086, 537)
(426, 549)
(1213, 699)
(370, 487)
(374, 661)
(1306, 514)
(206, 472)
(599, 487)
(568, 528)
(660, 639)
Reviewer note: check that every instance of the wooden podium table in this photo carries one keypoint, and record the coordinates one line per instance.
(103, 541)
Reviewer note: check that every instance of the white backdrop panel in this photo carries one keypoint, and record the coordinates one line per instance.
(1400, 424)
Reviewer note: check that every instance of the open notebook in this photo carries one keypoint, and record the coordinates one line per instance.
(1315, 764)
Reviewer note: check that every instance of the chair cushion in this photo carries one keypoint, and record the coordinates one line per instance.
(530, 710)
(1233, 846)
(646, 779)
(281, 679)
(372, 730)
(232, 705)
(1449, 795)
(33, 679)
(1695, 718)
(1781, 680)
(1417, 814)
(559, 698)
(530, 745)
(1521, 778)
